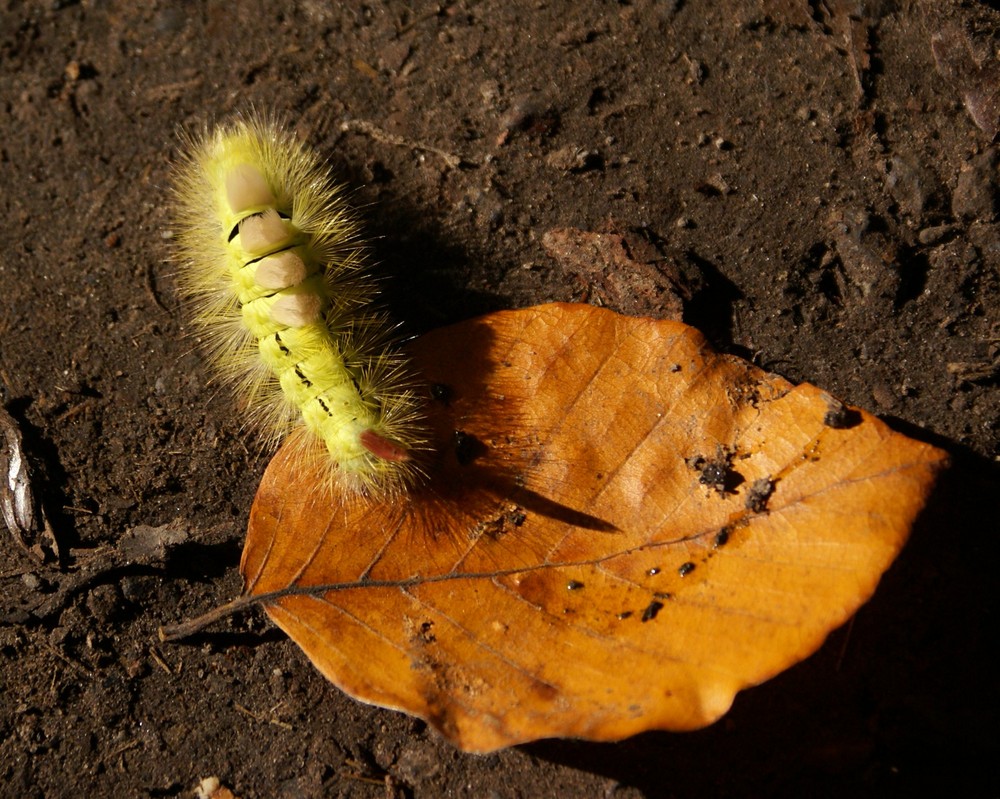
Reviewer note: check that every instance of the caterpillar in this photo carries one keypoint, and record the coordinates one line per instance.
(270, 262)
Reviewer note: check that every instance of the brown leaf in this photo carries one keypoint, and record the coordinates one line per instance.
(616, 276)
(621, 530)
(977, 82)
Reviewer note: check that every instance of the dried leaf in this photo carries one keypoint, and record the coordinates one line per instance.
(22, 515)
(977, 81)
(622, 529)
(618, 277)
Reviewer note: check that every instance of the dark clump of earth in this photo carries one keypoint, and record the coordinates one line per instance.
(819, 178)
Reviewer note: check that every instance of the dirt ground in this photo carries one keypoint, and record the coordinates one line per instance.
(821, 173)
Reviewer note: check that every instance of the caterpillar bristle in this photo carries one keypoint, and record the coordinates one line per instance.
(271, 263)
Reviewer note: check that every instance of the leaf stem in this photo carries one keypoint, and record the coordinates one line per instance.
(170, 633)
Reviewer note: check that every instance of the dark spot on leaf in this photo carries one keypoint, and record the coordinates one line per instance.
(685, 569)
(426, 633)
(625, 614)
(714, 474)
(574, 585)
(717, 472)
(468, 447)
(760, 492)
(499, 525)
(441, 393)
(721, 538)
(651, 610)
(839, 416)
(654, 571)
(545, 691)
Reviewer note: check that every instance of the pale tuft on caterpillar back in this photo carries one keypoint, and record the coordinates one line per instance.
(271, 264)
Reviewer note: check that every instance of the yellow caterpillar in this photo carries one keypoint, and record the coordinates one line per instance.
(271, 264)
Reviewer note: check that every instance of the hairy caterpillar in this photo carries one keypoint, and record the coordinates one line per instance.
(271, 264)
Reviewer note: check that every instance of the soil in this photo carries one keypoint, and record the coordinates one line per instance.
(823, 177)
